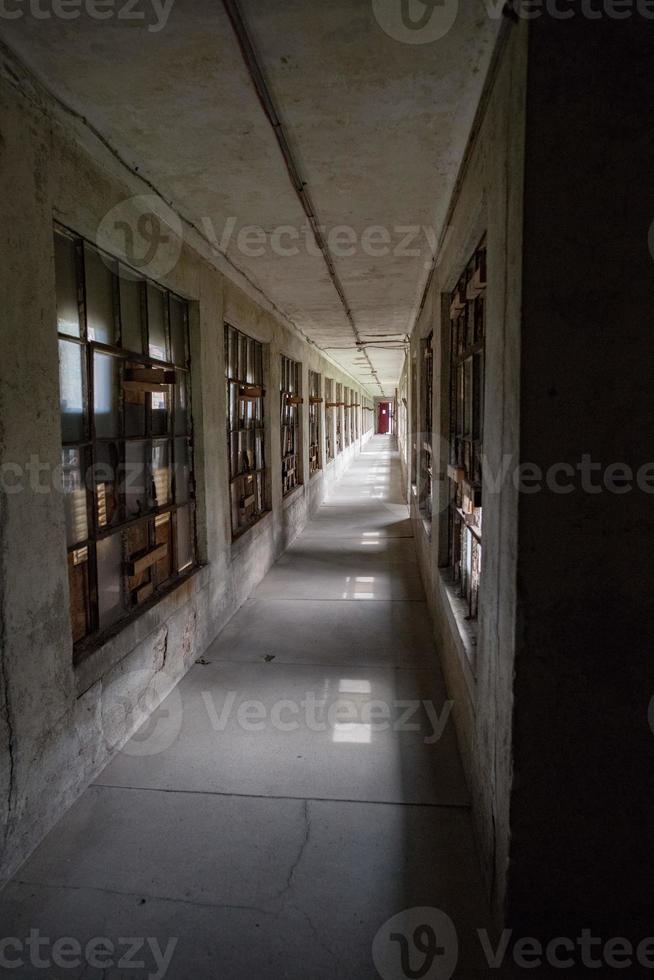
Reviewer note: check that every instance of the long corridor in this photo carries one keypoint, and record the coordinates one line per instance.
(298, 789)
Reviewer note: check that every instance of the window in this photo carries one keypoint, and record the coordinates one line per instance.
(347, 397)
(127, 448)
(369, 417)
(315, 401)
(402, 412)
(245, 429)
(339, 418)
(467, 335)
(291, 400)
(414, 421)
(329, 417)
(427, 428)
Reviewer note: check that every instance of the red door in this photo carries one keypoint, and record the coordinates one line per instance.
(384, 418)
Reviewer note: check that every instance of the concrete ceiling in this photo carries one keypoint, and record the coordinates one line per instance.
(377, 125)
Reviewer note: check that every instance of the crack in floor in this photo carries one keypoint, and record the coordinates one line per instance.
(192, 902)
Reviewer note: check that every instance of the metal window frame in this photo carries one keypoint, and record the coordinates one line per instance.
(290, 419)
(339, 417)
(466, 427)
(330, 449)
(88, 446)
(315, 423)
(245, 414)
(426, 461)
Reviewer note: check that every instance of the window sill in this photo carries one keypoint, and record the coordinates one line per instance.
(464, 630)
(251, 533)
(293, 495)
(101, 653)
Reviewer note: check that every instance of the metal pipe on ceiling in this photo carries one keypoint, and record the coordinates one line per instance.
(300, 187)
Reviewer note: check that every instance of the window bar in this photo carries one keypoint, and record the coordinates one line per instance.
(290, 401)
(245, 429)
(100, 524)
(467, 335)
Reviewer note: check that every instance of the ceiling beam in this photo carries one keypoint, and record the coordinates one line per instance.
(299, 185)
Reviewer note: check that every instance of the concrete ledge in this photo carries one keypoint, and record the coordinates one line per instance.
(463, 631)
(295, 494)
(244, 540)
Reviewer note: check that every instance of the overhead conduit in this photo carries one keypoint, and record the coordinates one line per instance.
(299, 185)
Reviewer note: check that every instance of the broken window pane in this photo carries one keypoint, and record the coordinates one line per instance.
(71, 391)
(78, 584)
(160, 414)
(99, 296)
(106, 473)
(105, 395)
(157, 323)
(178, 331)
(182, 471)
(130, 311)
(181, 404)
(185, 535)
(77, 528)
(135, 485)
(134, 403)
(163, 569)
(110, 580)
(66, 279)
(161, 472)
(138, 544)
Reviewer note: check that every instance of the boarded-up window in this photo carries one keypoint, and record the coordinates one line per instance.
(289, 423)
(467, 339)
(245, 429)
(126, 435)
(315, 401)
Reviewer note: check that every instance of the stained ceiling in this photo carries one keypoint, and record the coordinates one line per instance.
(376, 114)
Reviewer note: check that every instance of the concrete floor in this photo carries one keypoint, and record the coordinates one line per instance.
(268, 817)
